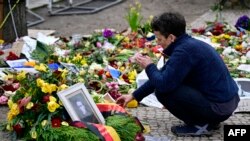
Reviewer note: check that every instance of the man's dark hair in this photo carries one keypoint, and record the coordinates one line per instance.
(169, 23)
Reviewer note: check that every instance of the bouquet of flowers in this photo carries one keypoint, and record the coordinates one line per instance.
(36, 112)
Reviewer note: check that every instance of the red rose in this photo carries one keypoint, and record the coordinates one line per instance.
(9, 88)
(56, 122)
(100, 72)
(139, 137)
(18, 129)
(140, 42)
(156, 49)
(35, 108)
(12, 56)
(1, 52)
(46, 98)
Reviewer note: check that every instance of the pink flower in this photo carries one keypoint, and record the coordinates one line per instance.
(3, 100)
(23, 102)
(98, 44)
(112, 85)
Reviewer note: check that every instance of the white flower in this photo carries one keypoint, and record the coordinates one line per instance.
(248, 55)
(243, 59)
(9, 93)
(94, 67)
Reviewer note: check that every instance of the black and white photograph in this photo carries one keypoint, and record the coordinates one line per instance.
(82, 108)
(80, 105)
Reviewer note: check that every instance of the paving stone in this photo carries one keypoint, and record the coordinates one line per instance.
(161, 126)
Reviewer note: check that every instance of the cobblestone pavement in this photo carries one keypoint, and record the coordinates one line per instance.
(160, 122)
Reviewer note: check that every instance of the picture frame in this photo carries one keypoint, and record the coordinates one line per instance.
(80, 105)
(244, 93)
(244, 86)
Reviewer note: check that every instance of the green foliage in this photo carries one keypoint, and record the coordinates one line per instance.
(42, 52)
(145, 28)
(67, 133)
(134, 17)
(217, 7)
(125, 126)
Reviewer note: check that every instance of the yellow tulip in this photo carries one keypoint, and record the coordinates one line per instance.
(126, 39)
(14, 109)
(121, 69)
(52, 106)
(9, 127)
(132, 76)
(21, 75)
(52, 98)
(82, 72)
(44, 122)
(132, 104)
(33, 134)
(41, 67)
(64, 72)
(227, 36)
(10, 103)
(40, 82)
(62, 87)
(10, 116)
(1, 41)
(118, 37)
(65, 123)
(84, 62)
(214, 40)
(29, 105)
(48, 88)
(81, 80)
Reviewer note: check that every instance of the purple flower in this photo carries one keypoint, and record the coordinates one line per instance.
(107, 33)
(243, 22)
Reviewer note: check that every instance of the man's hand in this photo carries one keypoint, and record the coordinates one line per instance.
(124, 100)
(143, 61)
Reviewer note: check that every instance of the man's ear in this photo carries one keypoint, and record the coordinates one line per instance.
(172, 37)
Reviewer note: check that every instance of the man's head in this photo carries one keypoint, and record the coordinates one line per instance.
(167, 27)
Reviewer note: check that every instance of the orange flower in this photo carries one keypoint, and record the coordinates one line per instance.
(30, 63)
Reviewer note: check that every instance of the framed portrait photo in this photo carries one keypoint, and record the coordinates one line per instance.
(80, 105)
(244, 86)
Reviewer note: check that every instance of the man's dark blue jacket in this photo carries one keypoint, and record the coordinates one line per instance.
(193, 63)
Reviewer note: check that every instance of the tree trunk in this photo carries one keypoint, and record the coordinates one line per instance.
(7, 33)
(1, 18)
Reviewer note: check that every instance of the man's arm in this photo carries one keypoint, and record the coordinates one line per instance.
(176, 69)
(143, 91)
